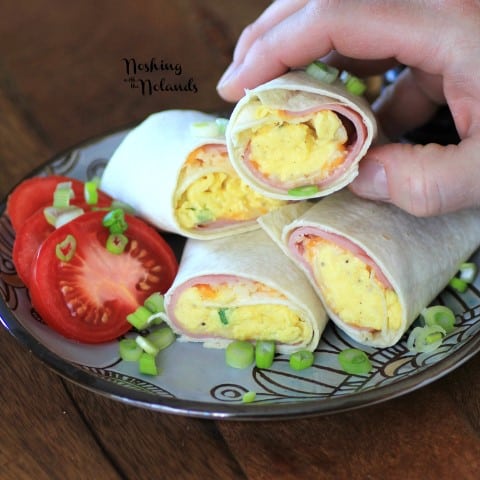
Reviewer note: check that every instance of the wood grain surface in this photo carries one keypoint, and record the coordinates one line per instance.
(63, 80)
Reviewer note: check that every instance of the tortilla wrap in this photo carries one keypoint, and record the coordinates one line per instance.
(180, 182)
(407, 259)
(243, 288)
(296, 132)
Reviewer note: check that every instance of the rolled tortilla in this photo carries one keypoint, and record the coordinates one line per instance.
(182, 183)
(374, 266)
(297, 133)
(243, 288)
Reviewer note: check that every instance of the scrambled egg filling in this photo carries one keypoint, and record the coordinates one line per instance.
(240, 311)
(297, 152)
(218, 194)
(351, 289)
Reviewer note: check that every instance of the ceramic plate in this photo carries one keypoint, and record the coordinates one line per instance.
(195, 381)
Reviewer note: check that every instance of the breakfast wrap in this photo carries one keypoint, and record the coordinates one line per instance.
(176, 174)
(374, 266)
(243, 288)
(296, 136)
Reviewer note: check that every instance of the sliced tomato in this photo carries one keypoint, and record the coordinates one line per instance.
(28, 239)
(89, 297)
(37, 193)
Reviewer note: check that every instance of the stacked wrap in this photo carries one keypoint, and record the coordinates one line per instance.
(407, 259)
(243, 288)
(297, 133)
(182, 183)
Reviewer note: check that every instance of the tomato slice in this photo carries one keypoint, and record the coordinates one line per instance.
(89, 297)
(37, 193)
(28, 239)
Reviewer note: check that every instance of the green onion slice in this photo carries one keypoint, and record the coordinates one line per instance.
(354, 361)
(116, 243)
(146, 345)
(162, 337)
(63, 194)
(60, 216)
(65, 250)
(439, 315)
(264, 353)
(222, 313)
(139, 318)
(147, 364)
(468, 272)
(90, 192)
(115, 221)
(129, 350)
(239, 354)
(305, 191)
(353, 84)
(323, 72)
(301, 360)
(155, 303)
(458, 284)
(425, 339)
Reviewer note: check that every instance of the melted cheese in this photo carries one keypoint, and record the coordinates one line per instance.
(351, 289)
(209, 190)
(288, 150)
(240, 311)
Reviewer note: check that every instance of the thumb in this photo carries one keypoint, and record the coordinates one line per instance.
(424, 180)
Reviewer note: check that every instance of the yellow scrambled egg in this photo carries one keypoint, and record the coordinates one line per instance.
(351, 289)
(218, 194)
(286, 149)
(230, 311)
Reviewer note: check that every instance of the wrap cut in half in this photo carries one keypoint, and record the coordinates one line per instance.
(374, 266)
(243, 288)
(180, 182)
(298, 137)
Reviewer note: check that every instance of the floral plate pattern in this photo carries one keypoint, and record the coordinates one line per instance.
(194, 381)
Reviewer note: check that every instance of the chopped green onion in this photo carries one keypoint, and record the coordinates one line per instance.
(354, 361)
(301, 360)
(221, 125)
(90, 192)
(129, 350)
(249, 397)
(116, 243)
(146, 345)
(204, 216)
(139, 318)
(353, 84)
(458, 285)
(239, 354)
(65, 250)
(425, 339)
(323, 72)
(115, 221)
(147, 364)
(222, 313)
(468, 272)
(60, 216)
(264, 353)
(162, 337)
(155, 303)
(63, 194)
(305, 191)
(205, 129)
(439, 315)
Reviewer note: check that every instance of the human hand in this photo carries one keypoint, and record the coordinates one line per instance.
(439, 42)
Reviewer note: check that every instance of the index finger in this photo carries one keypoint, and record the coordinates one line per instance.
(368, 30)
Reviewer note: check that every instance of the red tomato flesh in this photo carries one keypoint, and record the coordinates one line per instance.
(89, 297)
(37, 193)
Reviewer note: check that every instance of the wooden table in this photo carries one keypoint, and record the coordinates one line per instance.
(63, 80)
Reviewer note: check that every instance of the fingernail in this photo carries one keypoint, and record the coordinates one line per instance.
(227, 75)
(371, 181)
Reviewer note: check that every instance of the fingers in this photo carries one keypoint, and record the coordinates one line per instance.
(359, 29)
(423, 180)
(409, 102)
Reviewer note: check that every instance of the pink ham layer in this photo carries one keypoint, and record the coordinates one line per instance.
(295, 245)
(201, 280)
(352, 152)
